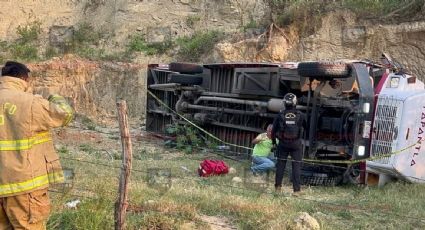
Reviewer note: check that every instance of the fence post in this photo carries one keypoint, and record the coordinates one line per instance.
(127, 153)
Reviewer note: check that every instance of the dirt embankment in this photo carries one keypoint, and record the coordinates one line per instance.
(341, 35)
(92, 87)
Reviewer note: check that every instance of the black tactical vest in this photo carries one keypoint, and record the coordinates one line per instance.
(290, 126)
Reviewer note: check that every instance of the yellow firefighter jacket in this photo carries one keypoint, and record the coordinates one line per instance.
(28, 160)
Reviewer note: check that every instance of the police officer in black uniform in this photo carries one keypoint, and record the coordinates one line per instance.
(288, 127)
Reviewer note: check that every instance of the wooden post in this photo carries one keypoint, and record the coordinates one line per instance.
(122, 204)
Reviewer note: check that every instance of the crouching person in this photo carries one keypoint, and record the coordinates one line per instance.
(262, 155)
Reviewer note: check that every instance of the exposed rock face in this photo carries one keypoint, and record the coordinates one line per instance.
(273, 45)
(92, 87)
(120, 18)
(341, 36)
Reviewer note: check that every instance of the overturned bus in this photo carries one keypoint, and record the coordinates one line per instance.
(355, 110)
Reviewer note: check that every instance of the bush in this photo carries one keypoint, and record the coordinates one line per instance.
(304, 14)
(83, 42)
(29, 33)
(25, 47)
(187, 137)
(23, 51)
(138, 44)
(191, 48)
(86, 34)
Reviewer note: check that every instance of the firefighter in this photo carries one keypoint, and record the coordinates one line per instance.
(28, 161)
(288, 128)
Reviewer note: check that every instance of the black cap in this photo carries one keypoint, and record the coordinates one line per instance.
(15, 69)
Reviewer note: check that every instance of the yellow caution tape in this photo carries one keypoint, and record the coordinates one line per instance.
(304, 159)
(195, 125)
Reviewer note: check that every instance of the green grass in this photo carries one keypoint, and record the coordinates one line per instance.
(374, 7)
(25, 48)
(395, 206)
(138, 44)
(30, 32)
(192, 48)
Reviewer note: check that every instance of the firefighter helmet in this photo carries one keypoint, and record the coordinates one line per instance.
(290, 100)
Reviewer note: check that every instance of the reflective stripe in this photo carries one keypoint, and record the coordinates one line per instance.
(56, 177)
(68, 111)
(61, 102)
(25, 144)
(8, 189)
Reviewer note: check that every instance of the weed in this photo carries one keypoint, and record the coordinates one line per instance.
(117, 155)
(158, 221)
(252, 24)
(91, 214)
(305, 14)
(63, 150)
(23, 51)
(25, 47)
(88, 149)
(191, 48)
(86, 34)
(85, 41)
(30, 32)
(142, 154)
(191, 20)
(138, 44)
(187, 137)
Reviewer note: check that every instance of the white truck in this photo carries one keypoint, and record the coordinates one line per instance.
(398, 128)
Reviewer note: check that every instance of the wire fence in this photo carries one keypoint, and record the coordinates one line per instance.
(190, 175)
(359, 207)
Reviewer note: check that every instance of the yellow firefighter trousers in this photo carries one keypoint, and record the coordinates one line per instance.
(25, 212)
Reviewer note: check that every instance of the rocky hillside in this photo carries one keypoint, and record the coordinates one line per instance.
(92, 87)
(149, 31)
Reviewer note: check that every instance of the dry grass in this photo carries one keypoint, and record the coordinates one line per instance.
(395, 206)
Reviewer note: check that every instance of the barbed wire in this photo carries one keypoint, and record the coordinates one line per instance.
(288, 160)
(200, 179)
(204, 181)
